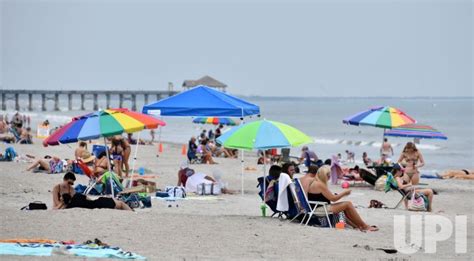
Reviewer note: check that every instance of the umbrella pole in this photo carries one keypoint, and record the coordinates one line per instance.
(134, 160)
(242, 171)
(108, 167)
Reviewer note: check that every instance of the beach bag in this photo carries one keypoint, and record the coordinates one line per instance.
(417, 203)
(35, 205)
(380, 183)
(176, 191)
(208, 189)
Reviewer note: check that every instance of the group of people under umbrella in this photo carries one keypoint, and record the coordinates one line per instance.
(254, 135)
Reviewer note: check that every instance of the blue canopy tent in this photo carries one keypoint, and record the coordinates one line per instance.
(203, 101)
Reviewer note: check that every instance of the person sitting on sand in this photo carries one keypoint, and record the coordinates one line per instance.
(457, 174)
(407, 186)
(318, 190)
(64, 187)
(411, 159)
(25, 136)
(206, 153)
(116, 151)
(48, 164)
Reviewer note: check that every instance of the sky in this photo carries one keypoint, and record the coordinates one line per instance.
(265, 48)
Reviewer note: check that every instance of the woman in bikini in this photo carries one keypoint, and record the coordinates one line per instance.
(411, 159)
(407, 186)
(458, 174)
(127, 150)
(116, 151)
(318, 191)
(63, 188)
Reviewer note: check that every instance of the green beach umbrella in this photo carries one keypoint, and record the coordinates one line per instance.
(262, 135)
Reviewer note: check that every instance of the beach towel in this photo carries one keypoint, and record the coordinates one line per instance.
(283, 182)
(31, 249)
(336, 170)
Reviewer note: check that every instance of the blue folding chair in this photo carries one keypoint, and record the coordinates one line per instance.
(305, 205)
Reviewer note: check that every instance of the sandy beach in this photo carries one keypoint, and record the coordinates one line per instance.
(222, 227)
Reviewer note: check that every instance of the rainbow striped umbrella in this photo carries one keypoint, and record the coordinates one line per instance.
(383, 117)
(416, 131)
(215, 121)
(104, 123)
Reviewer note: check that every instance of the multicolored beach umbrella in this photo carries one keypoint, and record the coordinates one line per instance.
(382, 117)
(215, 121)
(263, 134)
(104, 123)
(416, 131)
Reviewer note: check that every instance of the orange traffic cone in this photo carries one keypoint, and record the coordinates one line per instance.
(183, 150)
(160, 148)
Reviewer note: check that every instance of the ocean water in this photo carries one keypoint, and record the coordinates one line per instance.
(321, 118)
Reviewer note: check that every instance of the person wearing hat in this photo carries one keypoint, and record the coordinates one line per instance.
(398, 173)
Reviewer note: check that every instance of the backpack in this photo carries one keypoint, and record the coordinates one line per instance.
(10, 154)
(176, 191)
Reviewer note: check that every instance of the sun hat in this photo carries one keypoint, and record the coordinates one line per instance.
(87, 157)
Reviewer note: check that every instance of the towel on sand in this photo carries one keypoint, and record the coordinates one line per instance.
(60, 249)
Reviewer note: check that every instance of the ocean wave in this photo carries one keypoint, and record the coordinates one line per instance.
(368, 143)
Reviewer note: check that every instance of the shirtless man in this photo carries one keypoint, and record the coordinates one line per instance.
(386, 149)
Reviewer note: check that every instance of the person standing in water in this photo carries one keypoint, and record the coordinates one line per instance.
(386, 149)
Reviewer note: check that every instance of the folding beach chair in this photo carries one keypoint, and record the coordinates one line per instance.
(390, 184)
(305, 205)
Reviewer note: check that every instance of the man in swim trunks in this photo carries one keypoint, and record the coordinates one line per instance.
(386, 149)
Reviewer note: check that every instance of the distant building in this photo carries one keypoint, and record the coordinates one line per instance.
(206, 80)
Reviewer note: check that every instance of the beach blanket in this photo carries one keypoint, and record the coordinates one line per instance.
(32, 249)
(283, 183)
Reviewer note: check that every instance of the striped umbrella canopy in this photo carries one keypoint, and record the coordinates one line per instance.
(263, 134)
(383, 117)
(103, 123)
(416, 131)
(215, 121)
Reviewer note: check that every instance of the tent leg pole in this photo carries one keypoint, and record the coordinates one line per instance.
(108, 167)
(134, 160)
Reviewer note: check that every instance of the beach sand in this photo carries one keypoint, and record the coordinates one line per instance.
(214, 228)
